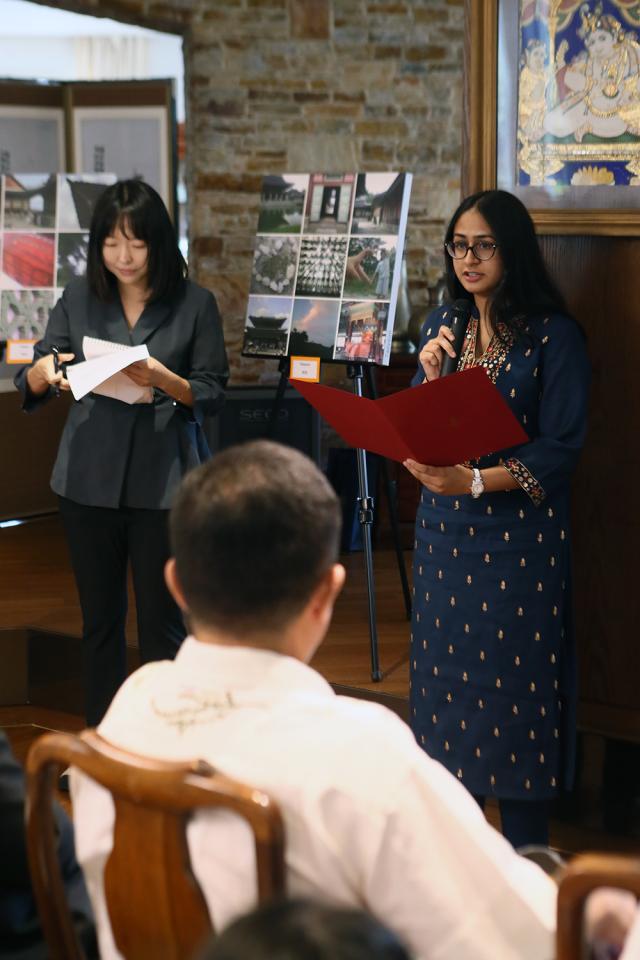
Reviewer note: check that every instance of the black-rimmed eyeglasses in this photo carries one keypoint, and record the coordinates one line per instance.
(481, 249)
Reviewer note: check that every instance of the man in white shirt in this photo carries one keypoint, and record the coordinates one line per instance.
(370, 820)
(632, 946)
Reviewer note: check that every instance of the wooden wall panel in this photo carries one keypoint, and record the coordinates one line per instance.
(29, 442)
(600, 276)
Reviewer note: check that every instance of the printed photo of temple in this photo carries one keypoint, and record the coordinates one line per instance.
(267, 328)
(30, 201)
(361, 332)
(329, 203)
(282, 203)
(378, 204)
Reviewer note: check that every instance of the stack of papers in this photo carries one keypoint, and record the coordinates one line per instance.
(100, 372)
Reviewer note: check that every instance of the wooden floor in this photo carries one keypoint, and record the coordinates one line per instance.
(37, 590)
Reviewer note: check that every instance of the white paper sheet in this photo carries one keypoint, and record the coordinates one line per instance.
(100, 372)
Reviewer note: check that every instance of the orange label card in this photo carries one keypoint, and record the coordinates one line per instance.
(19, 351)
(305, 368)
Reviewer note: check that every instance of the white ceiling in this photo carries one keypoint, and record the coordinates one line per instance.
(38, 42)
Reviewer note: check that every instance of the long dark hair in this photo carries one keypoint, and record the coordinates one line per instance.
(136, 208)
(526, 289)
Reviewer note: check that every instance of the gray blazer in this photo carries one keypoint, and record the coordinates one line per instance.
(117, 454)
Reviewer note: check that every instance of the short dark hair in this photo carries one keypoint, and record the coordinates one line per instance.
(302, 930)
(526, 288)
(253, 531)
(132, 205)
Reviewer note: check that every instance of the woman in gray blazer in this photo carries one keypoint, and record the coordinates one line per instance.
(119, 464)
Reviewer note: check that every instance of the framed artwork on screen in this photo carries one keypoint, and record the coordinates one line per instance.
(126, 128)
(29, 134)
(131, 141)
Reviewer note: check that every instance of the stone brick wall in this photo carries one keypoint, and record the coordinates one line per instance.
(295, 85)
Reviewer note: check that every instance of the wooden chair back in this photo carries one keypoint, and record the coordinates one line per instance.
(156, 907)
(585, 873)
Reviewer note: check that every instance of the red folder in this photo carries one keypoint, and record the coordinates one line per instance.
(450, 420)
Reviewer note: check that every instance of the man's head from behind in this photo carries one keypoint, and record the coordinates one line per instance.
(303, 930)
(255, 535)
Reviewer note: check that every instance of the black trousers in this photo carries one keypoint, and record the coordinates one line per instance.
(102, 541)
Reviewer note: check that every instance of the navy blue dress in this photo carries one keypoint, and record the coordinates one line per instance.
(493, 676)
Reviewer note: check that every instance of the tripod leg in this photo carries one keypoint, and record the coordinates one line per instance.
(392, 504)
(277, 400)
(365, 514)
(390, 489)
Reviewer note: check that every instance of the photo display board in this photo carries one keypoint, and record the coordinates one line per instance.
(327, 265)
(44, 237)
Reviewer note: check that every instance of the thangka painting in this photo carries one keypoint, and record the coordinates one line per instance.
(326, 266)
(44, 222)
(579, 93)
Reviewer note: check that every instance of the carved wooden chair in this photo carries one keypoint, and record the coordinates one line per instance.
(585, 873)
(156, 907)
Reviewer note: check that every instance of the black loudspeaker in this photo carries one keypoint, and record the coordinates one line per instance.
(248, 415)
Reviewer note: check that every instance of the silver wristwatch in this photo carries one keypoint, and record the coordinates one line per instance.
(477, 484)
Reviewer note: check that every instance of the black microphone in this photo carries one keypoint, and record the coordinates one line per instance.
(458, 323)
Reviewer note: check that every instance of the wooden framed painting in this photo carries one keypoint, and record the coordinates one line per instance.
(553, 106)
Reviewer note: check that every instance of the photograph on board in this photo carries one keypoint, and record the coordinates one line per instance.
(377, 207)
(370, 265)
(329, 199)
(282, 203)
(28, 260)
(29, 201)
(73, 249)
(321, 266)
(267, 327)
(24, 313)
(274, 265)
(313, 328)
(362, 331)
(77, 196)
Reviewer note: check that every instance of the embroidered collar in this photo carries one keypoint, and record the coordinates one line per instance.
(495, 354)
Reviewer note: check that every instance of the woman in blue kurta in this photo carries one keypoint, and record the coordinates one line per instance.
(492, 657)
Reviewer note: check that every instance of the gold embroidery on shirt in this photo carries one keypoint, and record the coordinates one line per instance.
(495, 354)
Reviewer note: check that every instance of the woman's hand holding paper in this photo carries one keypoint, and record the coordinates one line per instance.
(148, 373)
(446, 481)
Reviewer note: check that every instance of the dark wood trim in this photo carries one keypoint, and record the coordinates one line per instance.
(480, 91)
(30, 443)
(609, 720)
(26, 93)
(116, 93)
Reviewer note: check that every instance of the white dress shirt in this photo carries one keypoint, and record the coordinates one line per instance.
(371, 821)
(632, 946)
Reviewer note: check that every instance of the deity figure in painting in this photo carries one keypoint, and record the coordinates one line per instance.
(531, 91)
(599, 90)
